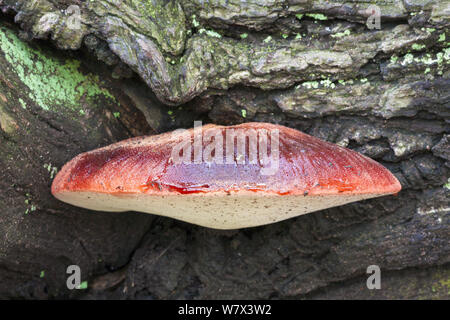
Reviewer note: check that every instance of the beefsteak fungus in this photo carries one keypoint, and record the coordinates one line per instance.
(222, 177)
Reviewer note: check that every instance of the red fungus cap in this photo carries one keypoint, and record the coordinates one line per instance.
(144, 174)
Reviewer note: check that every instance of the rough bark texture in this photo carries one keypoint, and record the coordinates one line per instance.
(309, 65)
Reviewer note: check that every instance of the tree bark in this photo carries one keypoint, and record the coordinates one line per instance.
(310, 65)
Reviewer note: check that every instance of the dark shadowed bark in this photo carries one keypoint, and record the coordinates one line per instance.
(144, 67)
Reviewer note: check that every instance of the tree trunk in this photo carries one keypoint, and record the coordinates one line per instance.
(314, 66)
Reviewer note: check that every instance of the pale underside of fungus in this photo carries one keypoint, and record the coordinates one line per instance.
(222, 177)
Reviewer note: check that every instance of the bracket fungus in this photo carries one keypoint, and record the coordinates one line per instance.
(223, 177)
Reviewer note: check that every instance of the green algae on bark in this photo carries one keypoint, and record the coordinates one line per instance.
(52, 83)
(162, 21)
